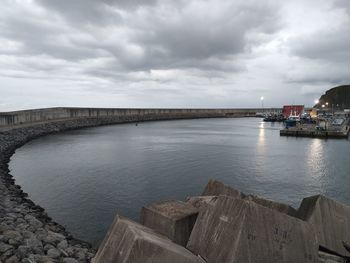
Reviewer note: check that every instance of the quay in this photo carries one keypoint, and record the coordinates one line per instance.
(314, 133)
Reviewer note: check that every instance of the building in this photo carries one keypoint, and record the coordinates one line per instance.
(289, 110)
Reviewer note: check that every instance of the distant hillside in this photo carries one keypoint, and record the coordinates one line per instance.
(338, 97)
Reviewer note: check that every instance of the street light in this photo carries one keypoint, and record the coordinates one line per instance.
(323, 105)
(262, 102)
(317, 101)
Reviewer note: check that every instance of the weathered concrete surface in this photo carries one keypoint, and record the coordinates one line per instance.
(324, 257)
(331, 221)
(202, 202)
(218, 188)
(54, 114)
(129, 242)
(173, 219)
(280, 207)
(236, 230)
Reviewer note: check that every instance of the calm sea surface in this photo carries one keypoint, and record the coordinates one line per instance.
(84, 178)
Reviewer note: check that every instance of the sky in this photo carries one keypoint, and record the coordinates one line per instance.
(171, 54)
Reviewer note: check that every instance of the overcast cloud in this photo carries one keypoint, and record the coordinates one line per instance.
(163, 53)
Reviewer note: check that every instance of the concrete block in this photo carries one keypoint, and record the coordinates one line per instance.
(202, 202)
(280, 207)
(215, 188)
(218, 188)
(324, 257)
(173, 219)
(129, 242)
(331, 221)
(236, 231)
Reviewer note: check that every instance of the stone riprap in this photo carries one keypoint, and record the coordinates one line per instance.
(173, 219)
(331, 221)
(130, 242)
(236, 230)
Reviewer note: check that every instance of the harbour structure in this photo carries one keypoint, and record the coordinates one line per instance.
(331, 125)
(227, 226)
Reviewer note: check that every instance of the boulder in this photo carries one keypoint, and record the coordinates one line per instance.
(127, 241)
(218, 188)
(331, 221)
(173, 219)
(236, 231)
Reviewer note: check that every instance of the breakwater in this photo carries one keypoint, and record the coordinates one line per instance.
(225, 225)
(52, 114)
(27, 233)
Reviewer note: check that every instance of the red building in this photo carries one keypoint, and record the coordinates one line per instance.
(292, 110)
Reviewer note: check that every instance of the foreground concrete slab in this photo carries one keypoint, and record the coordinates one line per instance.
(331, 221)
(236, 231)
(129, 242)
(324, 257)
(218, 188)
(173, 219)
(280, 207)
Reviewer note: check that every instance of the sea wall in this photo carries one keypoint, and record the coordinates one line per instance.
(50, 114)
(27, 233)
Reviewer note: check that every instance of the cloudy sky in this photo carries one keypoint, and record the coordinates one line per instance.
(171, 53)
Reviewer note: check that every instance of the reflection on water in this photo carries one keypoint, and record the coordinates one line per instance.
(84, 177)
(261, 138)
(315, 158)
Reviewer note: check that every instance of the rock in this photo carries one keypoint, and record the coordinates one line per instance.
(236, 231)
(48, 246)
(218, 188)
(127, 241)
(35, 223)
(53, 253)
(22, 251)
(70, 260)
(12, 234)
(41, 234)
(62, 245)
(173, 219)
(12, 259)
(5, 247)
(34, 245)
(331, 221)
(53, 237)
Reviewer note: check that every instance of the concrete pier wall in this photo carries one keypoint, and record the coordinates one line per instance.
(50, 114)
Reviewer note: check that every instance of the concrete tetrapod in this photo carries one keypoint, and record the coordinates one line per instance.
(331, 221)
(236, 231)
(280, 207)
(173, 219)
(130, 242)
(218, 188)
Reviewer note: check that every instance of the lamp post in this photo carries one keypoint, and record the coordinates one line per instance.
(262, 103)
